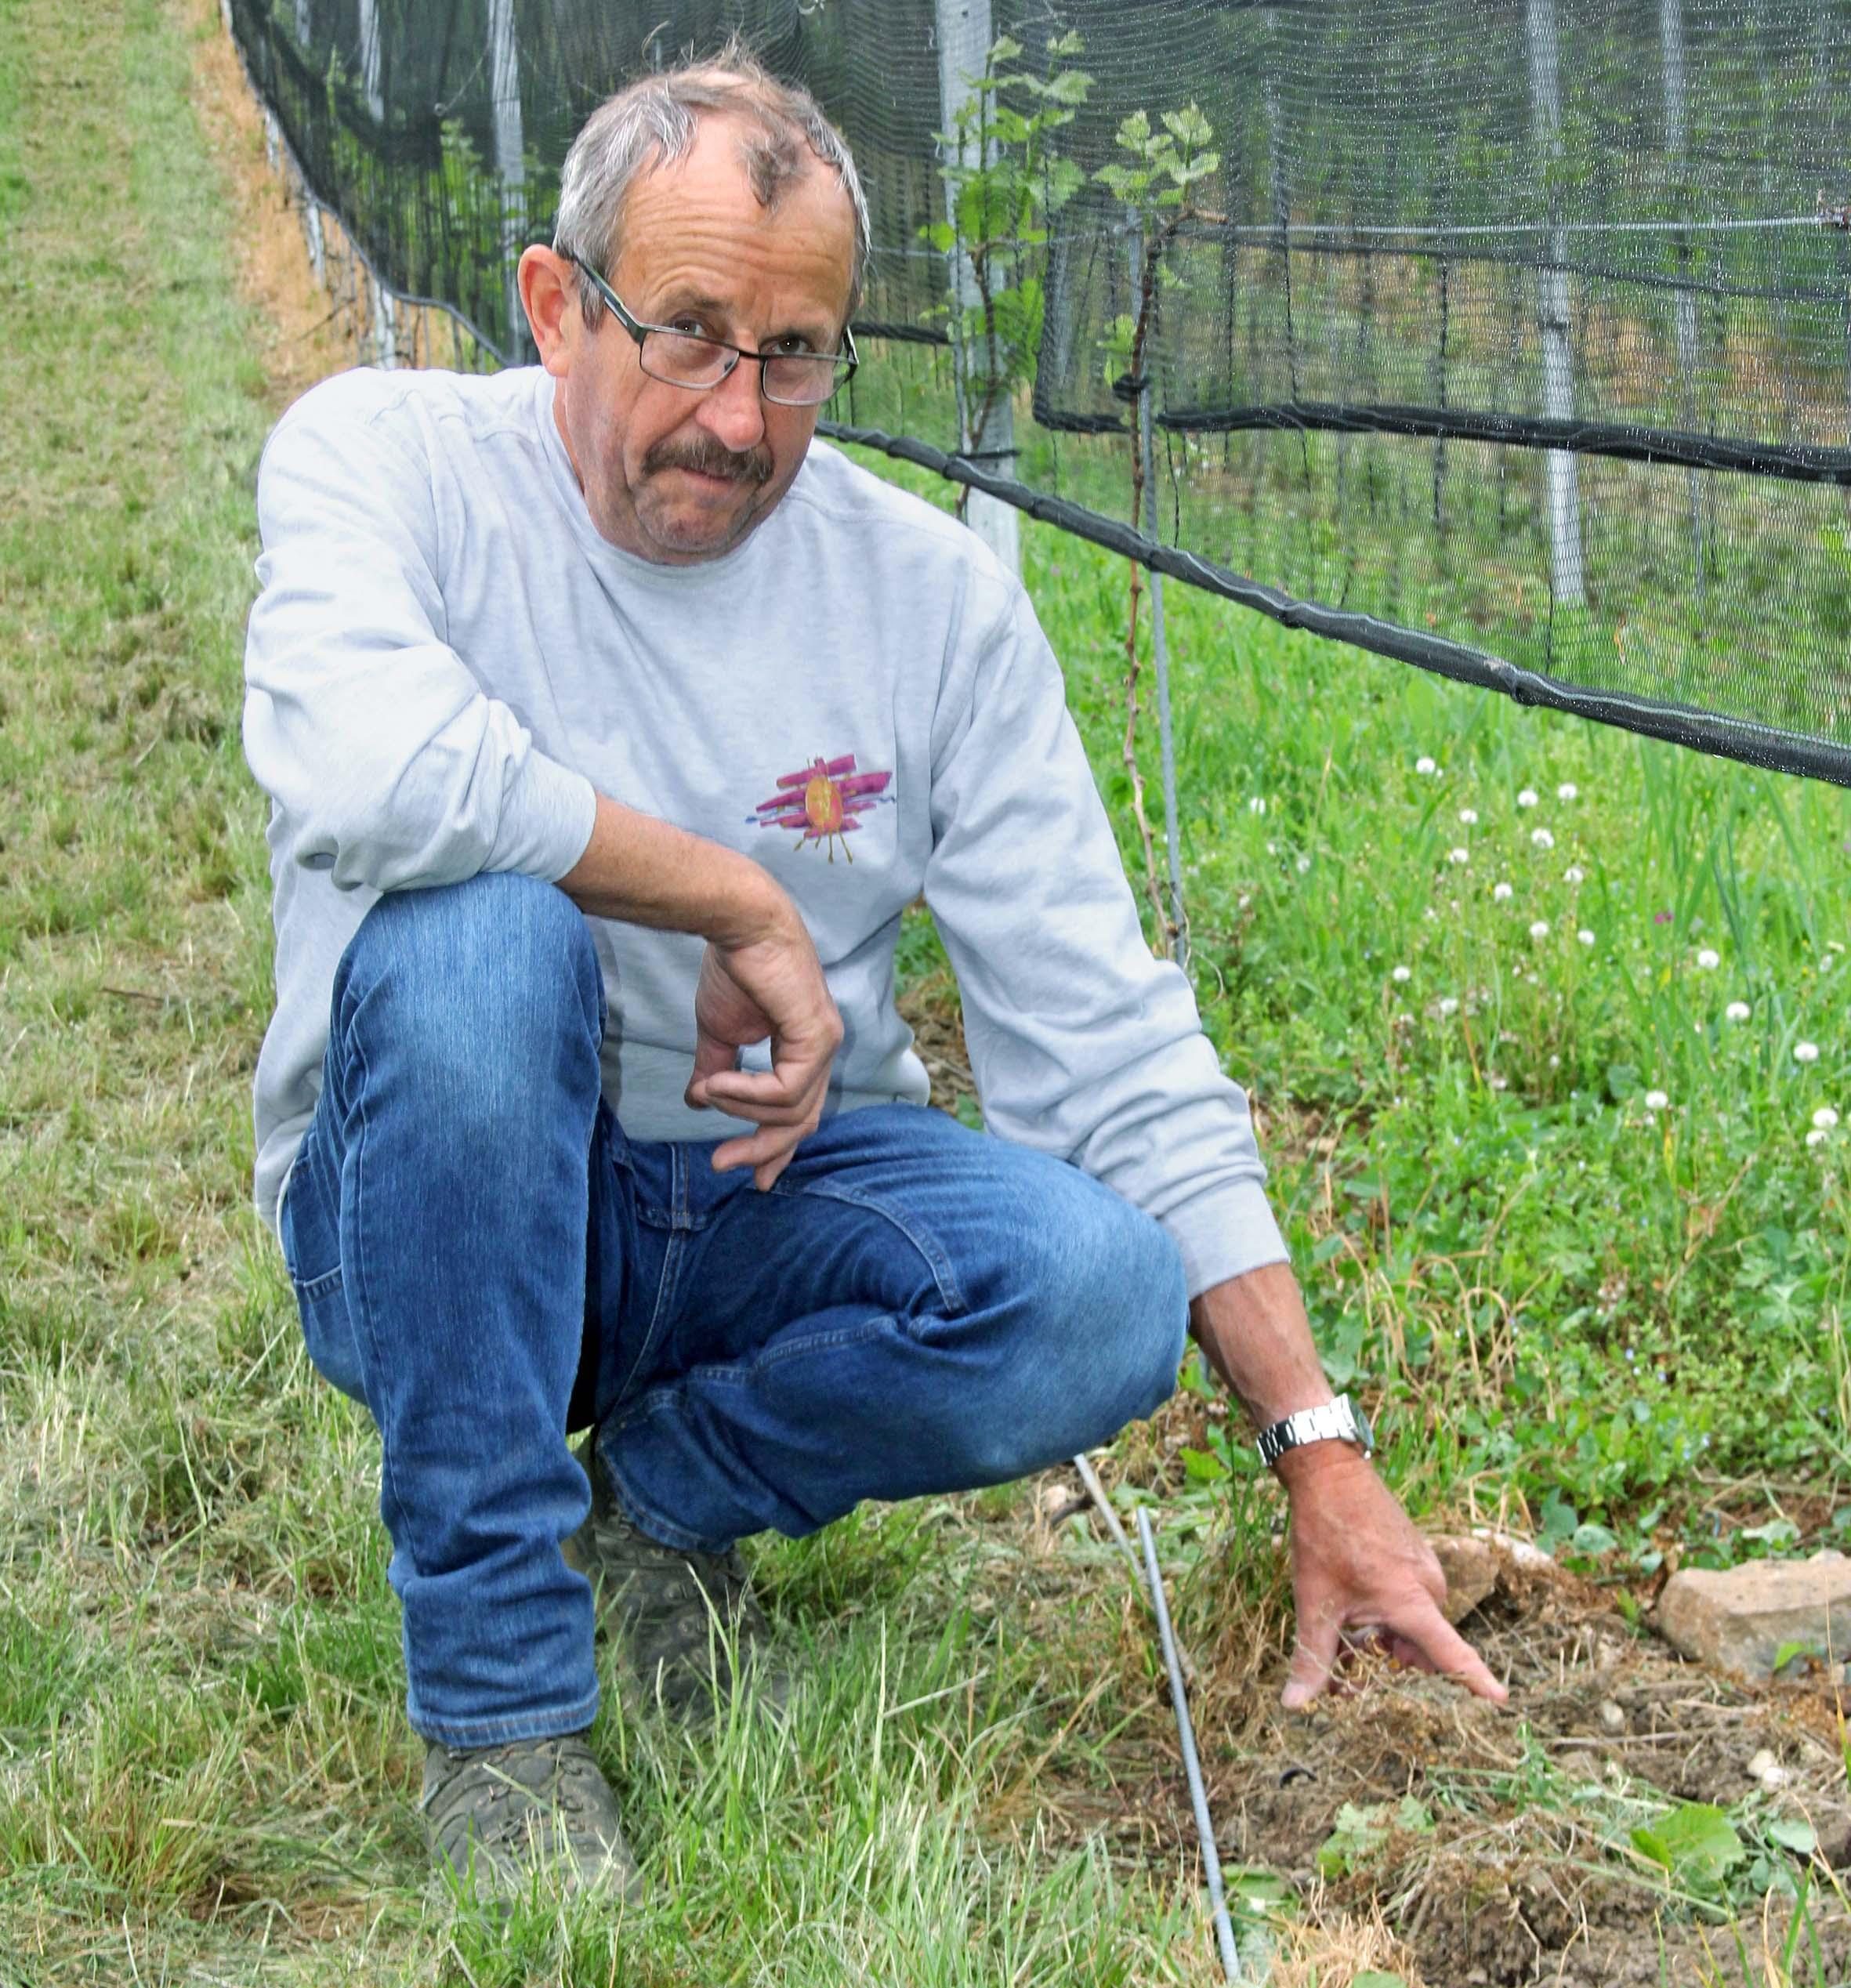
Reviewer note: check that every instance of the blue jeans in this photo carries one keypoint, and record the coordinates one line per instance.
(483, 1259)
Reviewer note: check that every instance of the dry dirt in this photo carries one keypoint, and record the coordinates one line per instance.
(1525, 1877)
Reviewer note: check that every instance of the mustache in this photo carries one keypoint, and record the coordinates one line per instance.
(711, 458)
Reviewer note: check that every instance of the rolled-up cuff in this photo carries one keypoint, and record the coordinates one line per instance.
(546, 820)
(1224, 1232)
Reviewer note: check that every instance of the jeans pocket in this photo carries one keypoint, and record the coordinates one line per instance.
(309, 1229)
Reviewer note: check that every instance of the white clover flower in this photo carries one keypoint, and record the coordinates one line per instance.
(1815, 1138)
(1501, 892)
(1568, 791)
(1246, 900)
(1500, 1084)
(1527, 798)
(1585, 936)
(1449, 1006)
(1655, 1101)
(1458, 855)
(1401, 973)
(1303, 864)
(1426, 764)
(1257, 805)
(1825, 1119)
(1542, 838)
(1469, 816)
(1709, 959)
(1574, 874)
(1805, 1052)
(1540, 929)
(1737, 1011)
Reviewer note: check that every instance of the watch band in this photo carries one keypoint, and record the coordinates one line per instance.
(1340, 1420)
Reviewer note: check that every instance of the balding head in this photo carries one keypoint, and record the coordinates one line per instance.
(781, 134)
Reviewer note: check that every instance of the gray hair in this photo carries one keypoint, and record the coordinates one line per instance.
(653, 121)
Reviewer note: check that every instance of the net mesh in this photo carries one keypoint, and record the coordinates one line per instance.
(1512, 339)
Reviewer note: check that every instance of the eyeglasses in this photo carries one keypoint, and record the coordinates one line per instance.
(666, 353)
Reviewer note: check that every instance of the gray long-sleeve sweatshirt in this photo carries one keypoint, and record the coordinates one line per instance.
(446, 662)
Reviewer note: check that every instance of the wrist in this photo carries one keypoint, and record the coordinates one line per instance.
(1338, 1424)
(752, 906)
(1318, 1464)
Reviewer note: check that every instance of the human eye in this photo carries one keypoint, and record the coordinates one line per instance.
(792, 345)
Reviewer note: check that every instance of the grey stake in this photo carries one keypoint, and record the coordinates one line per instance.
(1204, 1829)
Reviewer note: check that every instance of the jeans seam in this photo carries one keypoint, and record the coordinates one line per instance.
(574, 1717)
(660, 1400)
(388, 1477)
(652, 1523)
(310, 1289)
(922, 1240)
(672, 1254)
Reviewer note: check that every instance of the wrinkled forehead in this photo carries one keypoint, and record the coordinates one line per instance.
(750, 209)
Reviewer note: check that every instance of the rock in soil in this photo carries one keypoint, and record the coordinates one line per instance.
(1743, 1619)
(1470, 1566)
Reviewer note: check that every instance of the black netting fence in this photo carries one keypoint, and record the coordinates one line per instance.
(1511, 339)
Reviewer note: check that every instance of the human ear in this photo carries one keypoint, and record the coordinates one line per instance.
(550, 295)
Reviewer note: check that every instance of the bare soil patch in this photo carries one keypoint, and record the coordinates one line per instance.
(1519, 1870)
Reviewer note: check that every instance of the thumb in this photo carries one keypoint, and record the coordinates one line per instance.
(712, 1058)
(1314, 1658)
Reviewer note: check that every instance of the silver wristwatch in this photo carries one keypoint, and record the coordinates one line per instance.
(1340, 1420)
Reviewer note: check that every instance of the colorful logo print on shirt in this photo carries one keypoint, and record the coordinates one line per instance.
(822, 801)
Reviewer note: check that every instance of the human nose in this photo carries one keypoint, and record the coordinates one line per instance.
(733, 412)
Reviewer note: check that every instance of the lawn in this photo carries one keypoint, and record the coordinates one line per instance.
(1546, 1032)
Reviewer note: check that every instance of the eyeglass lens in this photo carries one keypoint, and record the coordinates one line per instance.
(801, 378)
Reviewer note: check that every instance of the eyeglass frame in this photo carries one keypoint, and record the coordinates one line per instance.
(640, 331)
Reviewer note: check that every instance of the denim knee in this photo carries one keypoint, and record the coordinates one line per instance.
(1094, 1316)
(1116, 1309)
(483, 988)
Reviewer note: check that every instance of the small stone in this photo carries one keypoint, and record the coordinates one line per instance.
(1523, 1553)
(1741, 1619)
(1765, 1769)
(1470, 1566)
(1612, 1719)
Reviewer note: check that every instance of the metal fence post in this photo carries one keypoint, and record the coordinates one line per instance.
(504, 72)
(1558, 356)
(963, 40)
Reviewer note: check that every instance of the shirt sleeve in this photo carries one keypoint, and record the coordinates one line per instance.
(388, 765)
(1083, 1046)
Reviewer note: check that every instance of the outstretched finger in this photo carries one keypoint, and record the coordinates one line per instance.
(1430, 1642)
(1313, 1659)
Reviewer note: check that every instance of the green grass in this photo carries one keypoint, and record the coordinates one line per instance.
(1628, 1322)
(1631, 1317)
